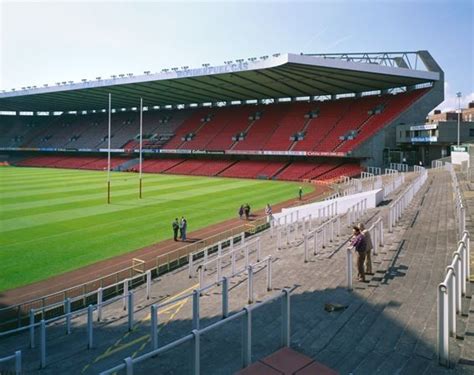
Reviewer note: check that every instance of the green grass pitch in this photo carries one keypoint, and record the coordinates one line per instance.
(57, 220)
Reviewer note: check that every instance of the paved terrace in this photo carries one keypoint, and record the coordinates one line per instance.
(388, 327)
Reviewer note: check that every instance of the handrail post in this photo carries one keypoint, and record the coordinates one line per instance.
(130, 311)
(68, 315)
(125, 293)
(128, 366)
(269, 273)
(154, 327)
(247, 337)
(443, 331)
(305, 245)
(90, 327)
(232, 263)
(43, 343)
(219, 271)
(451, 302)
(225, 297)
(18, 362)
(190, 265)
(196, 294)
(99, 304)
(285, 319)
(196, 365)
(349, 269)
(201, 277)
(250, 284)
(279, 238)
(259, 249)
(32, 328)
(148, 284)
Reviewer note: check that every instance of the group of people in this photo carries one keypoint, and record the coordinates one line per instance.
(244, 210)
(362, 244)
(180, 226)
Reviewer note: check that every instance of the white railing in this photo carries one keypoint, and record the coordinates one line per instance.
(396, 181)
(14, 357)
(437, 164)
(390, 171)
(356, 211)
(129, 362)
(450, 293)
(377, 237)
(375, 170)
(399, 167)
(398, 206)
(203, 254)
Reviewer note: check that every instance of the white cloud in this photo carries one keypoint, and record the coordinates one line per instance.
(451, 101)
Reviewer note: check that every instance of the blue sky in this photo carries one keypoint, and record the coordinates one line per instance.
(46, 42)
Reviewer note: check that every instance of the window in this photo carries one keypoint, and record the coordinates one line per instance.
(471, 132)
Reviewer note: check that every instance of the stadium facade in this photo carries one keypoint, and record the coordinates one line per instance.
(286, 116)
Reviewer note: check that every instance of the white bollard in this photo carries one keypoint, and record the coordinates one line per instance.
(125, 294)
(269, 273)
(148, 284)
(349, 269)
(250, 284)
(99, 304)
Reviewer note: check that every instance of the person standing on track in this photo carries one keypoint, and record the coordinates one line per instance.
(175, 229)
(368, 248)
(184, 227)
(268, 212)
(300, 192)
(241, 211)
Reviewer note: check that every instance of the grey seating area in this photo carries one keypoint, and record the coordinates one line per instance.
(386, 325)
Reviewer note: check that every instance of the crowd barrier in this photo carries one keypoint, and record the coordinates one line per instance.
(399, 167)
(399, 204)
(450, 293)
(396, 181)
(375, 170)
(196, 334)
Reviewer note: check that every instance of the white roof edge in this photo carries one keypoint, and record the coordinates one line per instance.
(361, 67)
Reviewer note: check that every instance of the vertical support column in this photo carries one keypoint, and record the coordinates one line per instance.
(242, 236)
(219, 249)
(285, 318)
(349, 269)
(43, 343)
(219, 271)
(452, 304)
(67, 310)
(190, 265)
(196, 360)
(305, 244)
(99, 304)
(247, 337)
(259, 249)
(458, 285)
(128, 366)
(279, 238)
(130, 311)
(232, 263)
(250, 284)
(148, 284)
(125, 293)
(206, 255)
(32, 328)
(90, 327)
(18, 362)
(246, 256)
(201, 277)
(225, 297)
(154, 327)
(269, 273)
(196, 309)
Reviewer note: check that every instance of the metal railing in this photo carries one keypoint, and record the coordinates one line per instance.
(374, 170)
(398, 206)
(450, 293)
(82, 295)
(195, 335)
(14, 357)
(399, 167)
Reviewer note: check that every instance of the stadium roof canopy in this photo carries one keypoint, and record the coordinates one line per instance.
(277, 76)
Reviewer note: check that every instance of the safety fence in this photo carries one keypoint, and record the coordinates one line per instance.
(377, 238)
(450, 293)
(82, 295)
(375, 170)
(318, 239)
(396, 181)
(399, 204)
(16, 358)
(437, 164)
(399, 167)
(127, 300)
(195, 336)
(329, 209)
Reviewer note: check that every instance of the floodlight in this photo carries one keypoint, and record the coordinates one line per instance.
(240, 60)
(185, 67)
(205, 65)
(113, 76)
(45, 85)
(147, 72)
(34, 87)
(71, 82)
(165, 70)
(13, 89)
(23, 88)
(130, 74)
(28, 87)
(121, 75)
(174, 69)
(252, 58)
(64, 82)
(264, 57)
(98, 78)
(276, 54)
(84, 80)
(58, 83)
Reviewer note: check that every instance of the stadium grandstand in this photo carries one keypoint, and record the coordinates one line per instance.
(286, 116)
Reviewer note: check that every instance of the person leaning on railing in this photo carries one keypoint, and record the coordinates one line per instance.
(358, 244)
(368, 248)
